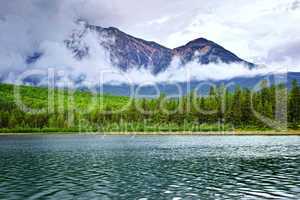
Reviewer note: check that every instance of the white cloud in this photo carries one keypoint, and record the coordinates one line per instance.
(260, 30)
(251, 29)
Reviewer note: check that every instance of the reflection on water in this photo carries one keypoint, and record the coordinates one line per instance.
(162, 167)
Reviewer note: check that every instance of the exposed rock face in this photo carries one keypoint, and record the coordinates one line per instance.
(205, 52)
(127, 52)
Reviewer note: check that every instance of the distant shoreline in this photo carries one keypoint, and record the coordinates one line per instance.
(213, 133)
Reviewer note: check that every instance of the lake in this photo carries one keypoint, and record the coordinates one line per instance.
(149, 167)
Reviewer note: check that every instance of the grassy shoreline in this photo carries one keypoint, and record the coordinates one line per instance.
(184, 133)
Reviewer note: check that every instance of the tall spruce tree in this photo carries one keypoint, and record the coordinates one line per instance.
(237, 106)
(294, 104)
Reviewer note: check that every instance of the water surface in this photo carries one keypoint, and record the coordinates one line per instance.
(149, 167)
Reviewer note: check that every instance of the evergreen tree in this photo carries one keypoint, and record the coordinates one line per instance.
(294, 104)
(237, 106)
(12, 122)
(202, 110)
(246, 110)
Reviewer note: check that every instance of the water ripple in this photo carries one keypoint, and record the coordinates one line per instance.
(91, 167)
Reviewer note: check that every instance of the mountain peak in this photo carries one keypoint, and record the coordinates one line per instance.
(205, 51)
(200, 40)
(112, 28)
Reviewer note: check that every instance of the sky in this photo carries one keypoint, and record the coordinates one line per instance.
(260, 31)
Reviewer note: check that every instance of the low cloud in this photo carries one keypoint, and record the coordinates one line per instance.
(262, 31)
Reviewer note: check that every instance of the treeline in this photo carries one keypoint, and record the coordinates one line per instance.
(272, 107)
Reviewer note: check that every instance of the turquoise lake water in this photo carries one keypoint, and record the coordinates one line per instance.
(149, 167)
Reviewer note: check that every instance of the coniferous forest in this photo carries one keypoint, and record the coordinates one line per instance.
(41, 110)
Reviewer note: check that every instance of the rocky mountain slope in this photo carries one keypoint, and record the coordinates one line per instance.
(127, 51)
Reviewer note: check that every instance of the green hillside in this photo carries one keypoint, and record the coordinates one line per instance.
(37, 97)
(33, 109)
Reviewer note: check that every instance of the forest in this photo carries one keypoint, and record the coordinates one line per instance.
(35, 109)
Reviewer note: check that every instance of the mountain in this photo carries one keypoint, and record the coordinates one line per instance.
(205, 52)
(187, 87)
(127, 51)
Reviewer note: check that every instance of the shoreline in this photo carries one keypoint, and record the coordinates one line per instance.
(212, 133)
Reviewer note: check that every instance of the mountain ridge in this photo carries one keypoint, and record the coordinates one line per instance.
(127, 51)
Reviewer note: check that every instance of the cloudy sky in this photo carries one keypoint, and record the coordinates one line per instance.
(260, 31)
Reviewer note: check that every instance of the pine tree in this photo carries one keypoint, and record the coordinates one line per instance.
(52, 122)
(60, 121)
(246, 116)
(237, 107)
(12, 121)
(294, 104)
